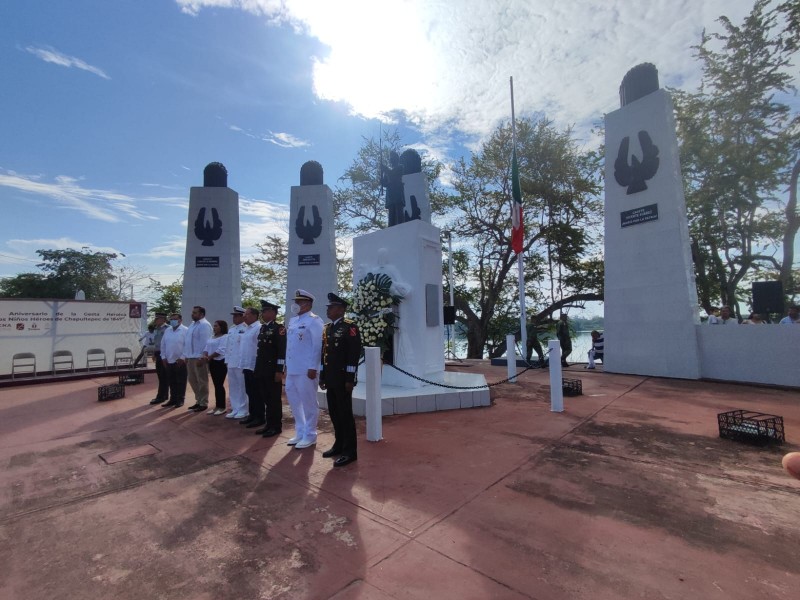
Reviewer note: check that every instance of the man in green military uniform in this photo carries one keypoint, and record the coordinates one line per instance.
(341, 351)
(270, 359)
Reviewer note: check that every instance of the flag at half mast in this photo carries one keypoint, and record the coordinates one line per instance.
(517, 230)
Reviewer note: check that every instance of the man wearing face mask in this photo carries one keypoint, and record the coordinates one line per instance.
(303, 347)
(172, 356)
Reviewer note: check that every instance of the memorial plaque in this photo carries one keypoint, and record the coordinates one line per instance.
(639, 215)
(202, 262)
(307, 260)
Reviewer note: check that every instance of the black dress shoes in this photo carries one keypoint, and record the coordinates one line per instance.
(253, 424)
(260, 431)
(194, 407)
(246, 421)
(332, 452)
(157, 400)
(270, 433)
(344, 460)
(173, 404)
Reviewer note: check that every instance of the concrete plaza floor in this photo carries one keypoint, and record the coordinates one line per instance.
(629, 493)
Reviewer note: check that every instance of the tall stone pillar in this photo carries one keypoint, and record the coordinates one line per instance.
(650, 295)
(212, 269)
(312, 238)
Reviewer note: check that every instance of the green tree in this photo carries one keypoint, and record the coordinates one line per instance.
(562, 215)
(265, 275)
(167, 296)
(737, 142)
(64, 272)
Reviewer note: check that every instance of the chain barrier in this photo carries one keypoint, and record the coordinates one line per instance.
(530, 366)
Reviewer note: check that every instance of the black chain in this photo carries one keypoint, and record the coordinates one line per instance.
(529, 367)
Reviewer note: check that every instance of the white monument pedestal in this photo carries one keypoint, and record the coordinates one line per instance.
(212, 269)
(414, 258)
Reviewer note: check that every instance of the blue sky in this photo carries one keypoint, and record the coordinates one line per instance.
(113, 108)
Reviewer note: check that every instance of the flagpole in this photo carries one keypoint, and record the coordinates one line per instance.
(523, 322)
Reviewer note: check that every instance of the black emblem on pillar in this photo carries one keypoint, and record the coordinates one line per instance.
(635, 173)
(208, 232)
(305, 229)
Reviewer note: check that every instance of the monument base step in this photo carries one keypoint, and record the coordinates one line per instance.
(428, 398)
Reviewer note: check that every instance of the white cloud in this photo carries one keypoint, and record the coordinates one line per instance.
(257, 220)
(51, 55)
(284, 140)
(102, 205)
(446, 65)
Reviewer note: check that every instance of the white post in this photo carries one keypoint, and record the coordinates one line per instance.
(372, 372)
(556, 389)
(511, 358)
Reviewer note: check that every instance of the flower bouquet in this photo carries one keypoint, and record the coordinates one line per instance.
(373, 310)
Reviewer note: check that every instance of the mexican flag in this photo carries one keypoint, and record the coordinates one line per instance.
(516, 209)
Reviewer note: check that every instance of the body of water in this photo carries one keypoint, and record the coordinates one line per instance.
(581, 343)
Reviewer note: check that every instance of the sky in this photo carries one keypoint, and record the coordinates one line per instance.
(112, 109)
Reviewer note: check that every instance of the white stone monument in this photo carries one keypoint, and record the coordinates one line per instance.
(312, 239)
(212, 269)
(651, 307)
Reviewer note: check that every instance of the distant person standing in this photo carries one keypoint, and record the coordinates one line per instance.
(726, 317)
(341, 351)
(214, 357)
(197, 336)
(147, 345)
(172, 356)
(270, 361)
(161, 371)
(793, 318)
(303, 347)
(754, 319)
(233, 345)
(564, 339)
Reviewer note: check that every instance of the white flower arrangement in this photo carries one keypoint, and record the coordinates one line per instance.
(373, 310)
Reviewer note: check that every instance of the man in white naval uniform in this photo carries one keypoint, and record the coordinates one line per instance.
(303, 351)
(235, 374)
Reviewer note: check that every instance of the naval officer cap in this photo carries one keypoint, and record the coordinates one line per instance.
(161, 315)
(268, 306)
(303, 295)
(237, 310)
(334, 300)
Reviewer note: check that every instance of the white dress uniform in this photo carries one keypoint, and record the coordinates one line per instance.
(235, 376)
(303, 350)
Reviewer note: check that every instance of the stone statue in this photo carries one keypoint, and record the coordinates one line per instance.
(392, 180)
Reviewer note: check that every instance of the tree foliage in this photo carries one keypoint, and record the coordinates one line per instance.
(65, 272)
(562, 215)
(737, 142)
(168, 297)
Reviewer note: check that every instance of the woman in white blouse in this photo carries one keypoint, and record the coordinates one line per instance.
(214, 354)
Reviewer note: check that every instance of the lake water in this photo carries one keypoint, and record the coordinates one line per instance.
(581, 343)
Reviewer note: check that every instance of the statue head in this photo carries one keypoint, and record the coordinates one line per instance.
(215, 175)
(412, 163)
(311, 173)
(394, 158)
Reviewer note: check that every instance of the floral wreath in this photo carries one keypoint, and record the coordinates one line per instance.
(372, 310)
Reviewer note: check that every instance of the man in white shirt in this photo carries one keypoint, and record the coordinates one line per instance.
(247, 362)
(303, 351)
(793, 318)
(236, 389)
(197, 335)
(726, 317)
(172, 356)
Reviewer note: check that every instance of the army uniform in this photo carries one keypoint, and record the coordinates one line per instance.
(341, 351)
(270, 359)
